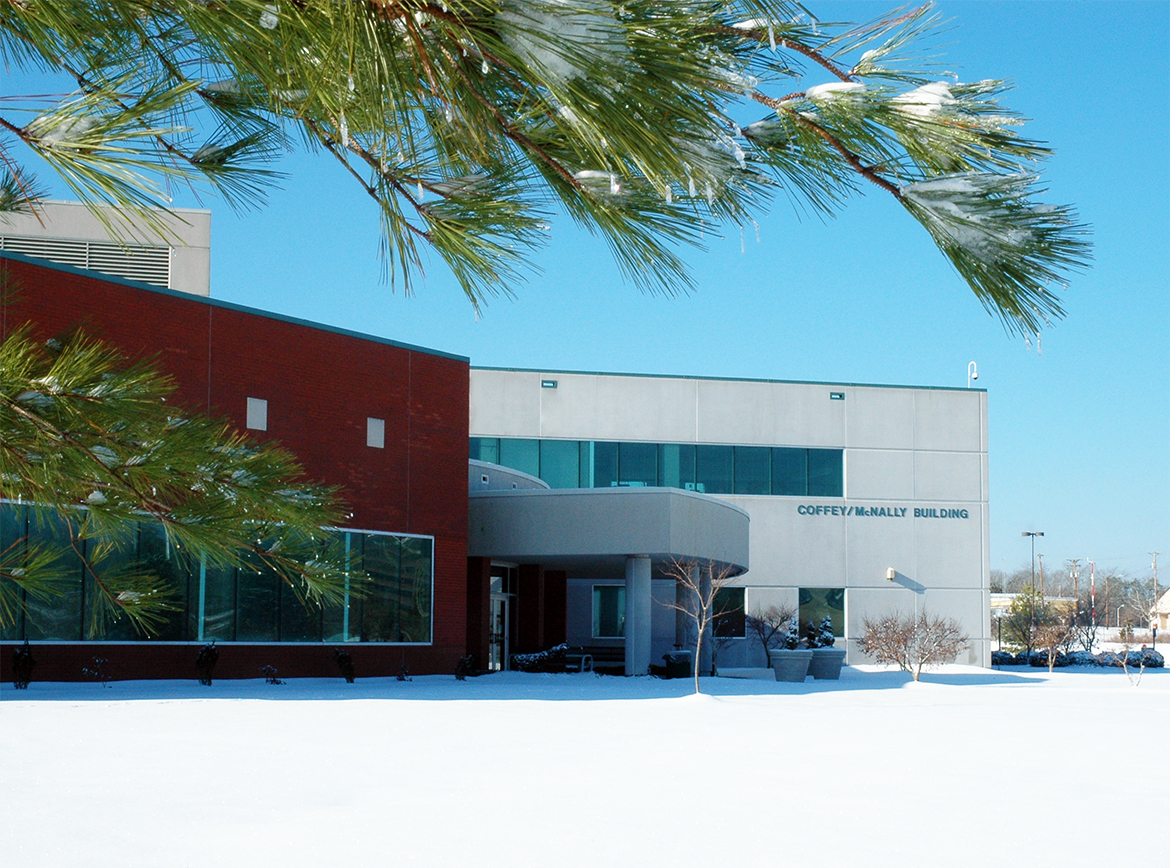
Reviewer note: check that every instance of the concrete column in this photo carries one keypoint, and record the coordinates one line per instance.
(638, 612)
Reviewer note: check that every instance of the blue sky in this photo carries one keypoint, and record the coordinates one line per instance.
(1079, 433)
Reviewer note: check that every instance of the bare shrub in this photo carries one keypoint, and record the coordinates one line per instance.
(913, 642)
(769, 626)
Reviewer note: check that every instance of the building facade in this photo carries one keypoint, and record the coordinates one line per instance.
(862, 500)
(385, 422)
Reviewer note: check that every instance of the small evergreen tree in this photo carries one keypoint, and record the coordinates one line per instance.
(825, 637)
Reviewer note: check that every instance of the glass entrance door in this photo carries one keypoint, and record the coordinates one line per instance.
(498, 634)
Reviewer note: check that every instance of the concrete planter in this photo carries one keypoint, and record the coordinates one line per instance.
(826, 663)
(790, 665)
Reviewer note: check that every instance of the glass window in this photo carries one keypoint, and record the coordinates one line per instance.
(826, 474)
(485, 449)
(414, 597)
(219, 603)
(638, 464)
(728, 620)
(58, 617)
(676, 466)
(298, 622)
(381, 604)
(609, 611)
(817, 604)
(790, 472)
(100, 619)
(559, 463)
(157, 556)
(257, 605)
(604, 460)
(13, 527)
(522, 455)
(714, 469)
(753, 470)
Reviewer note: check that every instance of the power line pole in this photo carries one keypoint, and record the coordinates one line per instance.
(1154, 607)
(1074, 574)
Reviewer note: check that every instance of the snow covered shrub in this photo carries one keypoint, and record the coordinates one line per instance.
(344, 663)
(1080, 658)
(464, 666)
(99, 672)
(205, 662)
(792, 637)
(1005, 658)
(552, 660)
(22, 666)
(825, 637)
(269, 673)
(913, 642)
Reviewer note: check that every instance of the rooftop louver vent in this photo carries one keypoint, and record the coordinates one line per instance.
(131, 261)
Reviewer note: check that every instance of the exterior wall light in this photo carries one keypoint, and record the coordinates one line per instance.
(836, 396)
(548, 384)
(891, 574)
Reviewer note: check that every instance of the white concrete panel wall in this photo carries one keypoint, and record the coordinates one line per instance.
(905, 449)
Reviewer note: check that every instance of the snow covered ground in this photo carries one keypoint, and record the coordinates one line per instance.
(971, 767)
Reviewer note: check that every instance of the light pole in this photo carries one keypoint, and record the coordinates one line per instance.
(1032, 594)
(972, 373)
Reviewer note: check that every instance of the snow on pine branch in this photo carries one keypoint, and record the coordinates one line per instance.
(564, 38)
(1006, 246)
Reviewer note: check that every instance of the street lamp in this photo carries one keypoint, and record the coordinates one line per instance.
(972, 373)
(1032, 595)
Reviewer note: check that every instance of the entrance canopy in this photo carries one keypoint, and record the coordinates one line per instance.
(590, 532)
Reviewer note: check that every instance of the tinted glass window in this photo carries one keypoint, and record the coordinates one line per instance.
(609, 611)
(790, 472)
(714, 469)
(676, 466)
(826, 476)
(728, 620)
(559, 461)
(816, 604)
(522, 455)
(753, 470)
(605, 465)
(638, 463)
(485, 449)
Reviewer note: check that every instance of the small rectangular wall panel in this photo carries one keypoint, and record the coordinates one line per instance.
(880, 418)
(948, 476)
(948, 419)
(879, 474)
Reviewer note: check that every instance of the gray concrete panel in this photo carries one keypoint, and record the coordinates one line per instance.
(593, 407)
(874, 546)
(949, 552)
(772, 414)
(948, 419)
(880, 418)
(504, 403)
(879, 474)
(948, 476)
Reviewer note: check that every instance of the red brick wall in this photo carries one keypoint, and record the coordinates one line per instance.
(320, 386)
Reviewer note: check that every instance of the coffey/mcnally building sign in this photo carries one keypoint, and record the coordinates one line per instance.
(883, 511)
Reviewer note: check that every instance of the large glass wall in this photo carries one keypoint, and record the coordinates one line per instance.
(714, 469)
(230, 605)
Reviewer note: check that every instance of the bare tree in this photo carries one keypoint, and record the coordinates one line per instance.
(697, 585)
(913, 642)
(1055, 637)
(769, 626)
